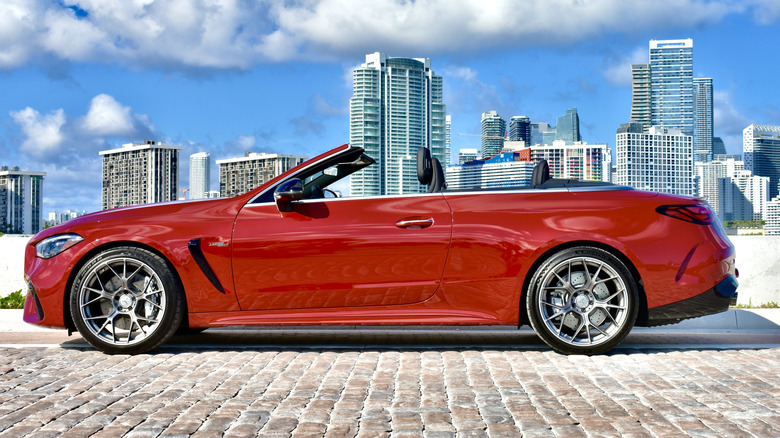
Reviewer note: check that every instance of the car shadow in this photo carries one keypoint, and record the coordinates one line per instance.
(353, 338)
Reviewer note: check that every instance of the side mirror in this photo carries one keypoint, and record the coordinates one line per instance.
(288, 192)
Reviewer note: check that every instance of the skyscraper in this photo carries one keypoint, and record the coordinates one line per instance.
(21, 201)
(568, 128)
(200, 175)
(671, 84)
(140, 173)
(640, 94)
(702, 120)
(718, 147)
(396, 108)
(761, 150)
(520, 129)
(537, 132)
(493, 134)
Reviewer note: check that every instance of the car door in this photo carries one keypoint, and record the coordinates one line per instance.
(345, 252)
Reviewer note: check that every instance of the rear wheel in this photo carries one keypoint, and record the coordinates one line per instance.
(126, 300)
(582, 300)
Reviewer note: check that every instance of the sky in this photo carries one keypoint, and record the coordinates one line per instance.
(233, 76)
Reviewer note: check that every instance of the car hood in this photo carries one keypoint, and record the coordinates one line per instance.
(166, 211)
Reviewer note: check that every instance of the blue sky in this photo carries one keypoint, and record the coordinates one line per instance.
(230, 76)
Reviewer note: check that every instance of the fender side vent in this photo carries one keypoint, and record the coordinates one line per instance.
(203, 264)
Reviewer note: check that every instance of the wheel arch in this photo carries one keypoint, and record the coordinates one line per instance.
(642, 314)
(68, 317)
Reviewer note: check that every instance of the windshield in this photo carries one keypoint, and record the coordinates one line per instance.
(320, 180)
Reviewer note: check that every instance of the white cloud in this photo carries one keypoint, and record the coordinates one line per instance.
(727, 120)
(766, 11)
(236, 34)
(463, 73)
(618, 71)
(106, 116)
(54, 137)
(43, 133)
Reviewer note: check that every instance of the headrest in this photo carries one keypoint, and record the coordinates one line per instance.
(541, 173)
(424, 166)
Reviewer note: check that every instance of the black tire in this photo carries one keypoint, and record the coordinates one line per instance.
(126, 300)
(582, 300)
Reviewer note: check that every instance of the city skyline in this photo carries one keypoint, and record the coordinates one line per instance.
(278, 88)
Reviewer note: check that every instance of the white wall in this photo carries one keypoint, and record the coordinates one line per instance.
(758, 262)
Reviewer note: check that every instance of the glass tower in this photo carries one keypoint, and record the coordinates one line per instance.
(520, 129)
(396, 108)
(493, 132)
(671, 84)
(568, 128)
(702, 120)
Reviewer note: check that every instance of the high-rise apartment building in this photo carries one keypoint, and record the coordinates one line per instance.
(671, 84)
(508, 169)
(640, 94)
(240, 175)
(761, 152)
(708, 175)
(493, 134)
(702, 120)
(396, 108)
(743, 197)
(772, 217)
(21, 200)
(200, 175)
(658, 160)
(140, 173)
(447, 140)
(520, 129)
(575, 161)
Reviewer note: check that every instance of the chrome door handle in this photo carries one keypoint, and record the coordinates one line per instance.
(415, 222)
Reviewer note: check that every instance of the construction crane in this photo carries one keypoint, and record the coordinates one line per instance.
(183, 191)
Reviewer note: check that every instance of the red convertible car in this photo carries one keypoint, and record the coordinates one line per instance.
(581, 262)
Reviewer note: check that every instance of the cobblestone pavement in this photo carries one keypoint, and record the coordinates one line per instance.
(370, 390)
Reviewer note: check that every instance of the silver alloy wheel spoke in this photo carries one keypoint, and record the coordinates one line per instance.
(114, 308)
(600, 293)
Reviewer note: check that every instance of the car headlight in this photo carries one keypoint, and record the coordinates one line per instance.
(51, 246)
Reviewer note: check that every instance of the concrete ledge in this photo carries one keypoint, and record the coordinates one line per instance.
(766, 320)
(732, 319)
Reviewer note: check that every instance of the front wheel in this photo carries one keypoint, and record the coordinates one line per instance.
(582, 300)
(126, 300)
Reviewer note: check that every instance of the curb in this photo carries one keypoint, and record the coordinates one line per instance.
(748, 320)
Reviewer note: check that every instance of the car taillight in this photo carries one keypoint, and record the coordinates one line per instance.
(695, 213)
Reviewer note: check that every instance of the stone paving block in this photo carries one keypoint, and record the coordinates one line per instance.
(389, 392)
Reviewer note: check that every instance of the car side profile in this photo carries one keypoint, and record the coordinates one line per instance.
(581, 262)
